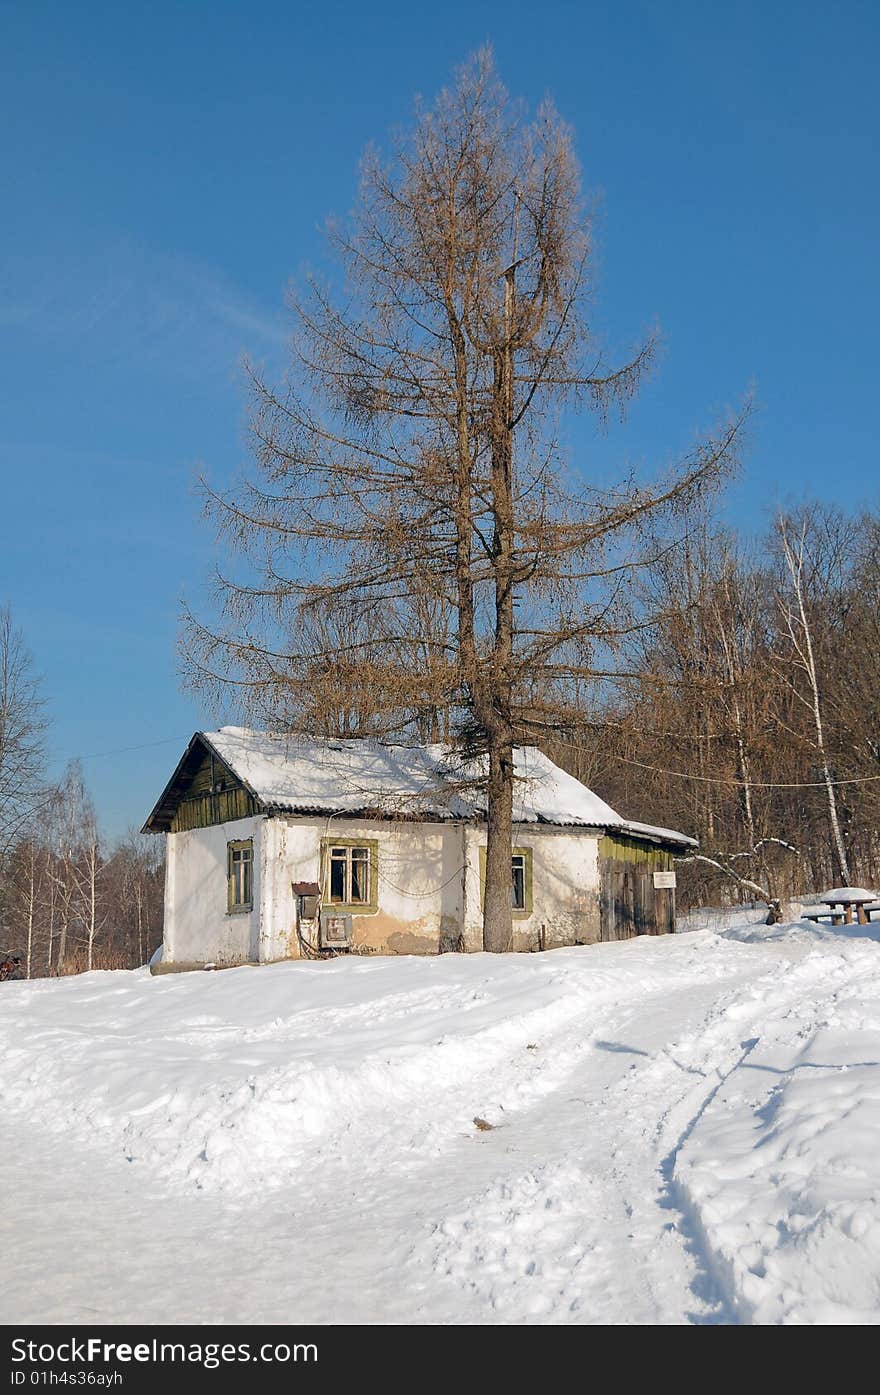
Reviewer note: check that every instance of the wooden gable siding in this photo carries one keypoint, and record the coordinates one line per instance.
(630, 904)
(213, 795)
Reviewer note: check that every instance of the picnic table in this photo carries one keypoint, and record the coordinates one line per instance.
(842, 901)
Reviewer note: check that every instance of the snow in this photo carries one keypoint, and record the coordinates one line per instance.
(310, 776)
(684, 1129)
(841, 895)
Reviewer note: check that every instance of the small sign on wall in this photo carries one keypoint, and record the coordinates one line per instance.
(664, 881)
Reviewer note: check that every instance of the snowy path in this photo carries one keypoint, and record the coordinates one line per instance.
(297, 1144)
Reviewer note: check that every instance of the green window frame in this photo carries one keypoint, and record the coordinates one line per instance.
(521, 880)
(350, 874)
(240, 876)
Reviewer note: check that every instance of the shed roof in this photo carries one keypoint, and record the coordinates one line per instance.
(306, 775)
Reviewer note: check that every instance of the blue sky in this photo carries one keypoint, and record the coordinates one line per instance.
(167, 168)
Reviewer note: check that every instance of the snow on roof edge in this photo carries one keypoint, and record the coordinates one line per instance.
(666, 835)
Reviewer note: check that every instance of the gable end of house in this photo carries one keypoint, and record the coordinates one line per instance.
(203, 791)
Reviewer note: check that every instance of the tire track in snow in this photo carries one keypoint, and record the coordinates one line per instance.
(728, 1051)
(599, 1195)
(633, 1239)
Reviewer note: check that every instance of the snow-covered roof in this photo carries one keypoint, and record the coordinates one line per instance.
(306, 775)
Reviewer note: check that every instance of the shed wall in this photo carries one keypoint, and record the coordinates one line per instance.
(630, 903)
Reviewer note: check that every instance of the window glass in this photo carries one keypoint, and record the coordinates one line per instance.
(338, 862)
(349, 873)
(241, 863)
(360, 875)
(518, 868)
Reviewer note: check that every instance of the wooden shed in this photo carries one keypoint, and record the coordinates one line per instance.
(636, 886)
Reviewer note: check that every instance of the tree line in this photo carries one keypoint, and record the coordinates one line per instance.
(69, 900)
(749, 711)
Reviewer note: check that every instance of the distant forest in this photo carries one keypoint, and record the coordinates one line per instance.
(751, 716)
(69, 901)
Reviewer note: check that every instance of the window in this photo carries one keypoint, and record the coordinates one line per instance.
(240, 875)
(518, 867)
(520, 880)
(350, 874)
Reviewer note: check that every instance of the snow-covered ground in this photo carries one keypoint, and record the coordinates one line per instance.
(683, 1130)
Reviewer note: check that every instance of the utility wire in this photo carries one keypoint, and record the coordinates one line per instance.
(727, 779)
(574, 746)
(123, 750)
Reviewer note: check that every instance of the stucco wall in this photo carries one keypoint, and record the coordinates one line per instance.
(565, 887)
(419, 883)
(429, 891)
(198, 927)
(429, 888)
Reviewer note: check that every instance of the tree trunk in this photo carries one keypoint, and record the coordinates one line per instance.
(497, 894)
(497, 897)
(91, 907)
(808, 658)
(32, 891)
(51, 938)
(140, 926)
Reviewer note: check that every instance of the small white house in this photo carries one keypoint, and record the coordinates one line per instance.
(279, 847)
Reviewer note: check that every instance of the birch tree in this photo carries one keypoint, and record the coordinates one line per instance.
(805, 685)
(23, 890)
(417, 451)
(72, 834)
(87, 877)
(22, 729)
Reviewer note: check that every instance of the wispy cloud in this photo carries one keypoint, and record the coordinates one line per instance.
(131, 303)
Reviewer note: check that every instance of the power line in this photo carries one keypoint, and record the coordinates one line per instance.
(574, 746)
(123, 750)
(729, 779)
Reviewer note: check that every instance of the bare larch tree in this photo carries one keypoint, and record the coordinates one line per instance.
(410, 472)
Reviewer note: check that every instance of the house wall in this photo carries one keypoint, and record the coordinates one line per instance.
(565, 888)
(429, 888)
(420, 882)
(198, 927)
(430, 894)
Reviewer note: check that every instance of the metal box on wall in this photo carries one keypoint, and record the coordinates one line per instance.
(309, 899)
(336, 930)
